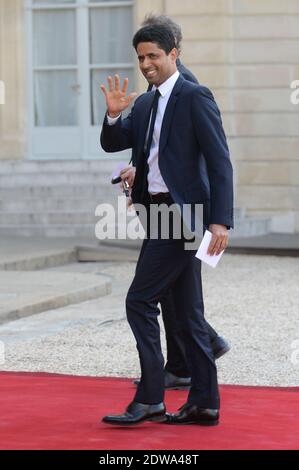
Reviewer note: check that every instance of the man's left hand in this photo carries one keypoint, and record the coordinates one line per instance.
(219, 239)
(128, 173)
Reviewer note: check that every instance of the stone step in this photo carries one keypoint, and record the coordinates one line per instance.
(52, 205)
(106, 253)
(31, 166)
(68, 210)
(59, 191)
(244, 228)
(54, 178)
(37, 261)
(48, 218)
(239, 212)
(27, 293)
(61, 230)
(31, 253)
(251, 227)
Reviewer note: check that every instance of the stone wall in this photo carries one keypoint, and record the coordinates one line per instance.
(12, 73)
(247, 52)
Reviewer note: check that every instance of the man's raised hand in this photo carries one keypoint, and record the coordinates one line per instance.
(116, 98)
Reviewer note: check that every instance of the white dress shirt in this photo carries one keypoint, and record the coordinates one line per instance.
(156, 184)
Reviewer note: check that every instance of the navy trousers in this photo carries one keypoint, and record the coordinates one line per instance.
(176, 361)
(164, 265)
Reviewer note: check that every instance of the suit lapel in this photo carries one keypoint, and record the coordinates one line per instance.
(169, 112)
(143, 121)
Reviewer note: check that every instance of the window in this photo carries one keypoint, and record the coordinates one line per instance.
(73, 46)
(110, 50)
(57, 28)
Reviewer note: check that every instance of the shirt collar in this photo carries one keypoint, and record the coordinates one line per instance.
(167, 86)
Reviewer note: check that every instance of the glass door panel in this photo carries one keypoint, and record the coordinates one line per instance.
(54, 38)
(111, 35)
(56, 91)
(74, 45)
(110, 53)
(55, 98)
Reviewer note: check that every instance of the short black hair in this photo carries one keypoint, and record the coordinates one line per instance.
(151, 19)
(159, 34)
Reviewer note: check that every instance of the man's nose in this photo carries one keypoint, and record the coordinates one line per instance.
(146, 64)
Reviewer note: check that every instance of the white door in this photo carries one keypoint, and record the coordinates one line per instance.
(72, 47)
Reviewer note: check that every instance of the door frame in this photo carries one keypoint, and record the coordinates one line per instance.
(84, 137)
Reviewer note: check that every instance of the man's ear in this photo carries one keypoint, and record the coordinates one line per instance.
(174, 54)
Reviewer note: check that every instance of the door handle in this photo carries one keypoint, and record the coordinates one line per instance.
(76, 88)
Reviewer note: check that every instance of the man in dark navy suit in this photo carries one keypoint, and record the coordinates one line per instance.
(176, 370)
(181, 156)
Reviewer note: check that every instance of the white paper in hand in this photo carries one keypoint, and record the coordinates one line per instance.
(211, 260)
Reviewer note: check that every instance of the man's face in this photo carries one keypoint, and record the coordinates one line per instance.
(155, 64)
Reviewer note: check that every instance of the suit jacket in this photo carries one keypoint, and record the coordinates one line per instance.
(193, 154)
(187, 74)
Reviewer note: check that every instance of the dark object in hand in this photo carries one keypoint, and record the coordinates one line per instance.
(116, 179)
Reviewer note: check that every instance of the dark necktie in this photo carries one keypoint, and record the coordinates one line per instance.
(148, 141)
(154, 109)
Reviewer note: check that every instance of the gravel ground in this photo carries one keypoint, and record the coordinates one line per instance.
(252, 301)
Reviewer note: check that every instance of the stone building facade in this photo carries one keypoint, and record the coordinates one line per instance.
(246, 51)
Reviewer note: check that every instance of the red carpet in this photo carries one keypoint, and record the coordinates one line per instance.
(49, 411)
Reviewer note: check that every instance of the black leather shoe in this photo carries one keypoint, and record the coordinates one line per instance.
(173, 382)
(193, 414)
(137, 413)
(219, 347)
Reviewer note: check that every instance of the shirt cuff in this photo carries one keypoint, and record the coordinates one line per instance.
(111, 121)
